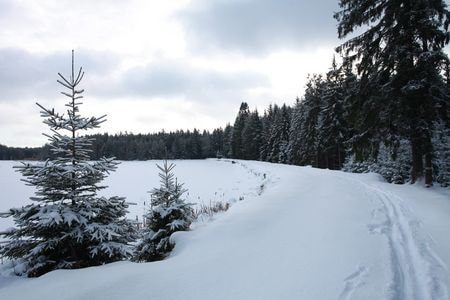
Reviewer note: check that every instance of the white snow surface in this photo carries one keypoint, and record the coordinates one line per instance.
(298, 233)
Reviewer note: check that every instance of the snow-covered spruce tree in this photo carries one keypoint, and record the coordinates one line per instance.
(227, 140)
(401, 50)
(441, 143)
(237, 147)
(267, 121)
(168, 213)
(305, 149)
(67, 225)
(393, 161)
(251, 136)
(333, 129)
(295, 132)
(279, 135)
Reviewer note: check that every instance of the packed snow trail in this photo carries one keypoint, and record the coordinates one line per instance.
(311, 234)
(417, 272)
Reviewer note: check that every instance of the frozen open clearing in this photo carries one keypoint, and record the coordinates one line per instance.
(298, 233)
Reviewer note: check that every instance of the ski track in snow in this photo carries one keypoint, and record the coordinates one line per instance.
(417, 271)
(264, 177)
(352, 282)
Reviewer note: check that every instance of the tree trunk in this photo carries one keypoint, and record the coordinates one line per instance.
(417, 162)
(428, 151)
(428, 170)
(339, 158)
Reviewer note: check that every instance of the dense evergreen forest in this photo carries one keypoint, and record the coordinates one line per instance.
(128, 146)
(384, 107)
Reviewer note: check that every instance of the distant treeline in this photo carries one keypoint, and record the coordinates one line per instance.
(127, 146)
(173, 145)
(17, 153)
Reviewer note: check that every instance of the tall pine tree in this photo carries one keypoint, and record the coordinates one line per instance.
(277, 144)
(237, 149)
(401, 51)
(307, 150)
(251, 136)
(333, 128)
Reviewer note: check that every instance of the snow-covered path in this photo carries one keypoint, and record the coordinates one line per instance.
(417, 272)
(300, 233)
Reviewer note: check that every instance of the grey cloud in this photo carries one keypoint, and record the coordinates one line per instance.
(28, 76)
(173, 79)
(258, 26)
(24, 75)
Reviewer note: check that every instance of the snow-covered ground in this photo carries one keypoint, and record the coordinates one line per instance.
(299, 233)
(207, 181)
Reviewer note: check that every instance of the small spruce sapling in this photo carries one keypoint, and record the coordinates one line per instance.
(168, 213)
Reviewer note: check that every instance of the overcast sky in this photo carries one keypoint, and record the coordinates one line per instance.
(153, 65)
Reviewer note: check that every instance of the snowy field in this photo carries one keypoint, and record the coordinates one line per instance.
(207, 181)
(298, 233)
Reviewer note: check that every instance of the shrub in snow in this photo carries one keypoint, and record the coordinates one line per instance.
(208, 211)
(168, 213)
(393, 162)
(441, 147)
(68, 225)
